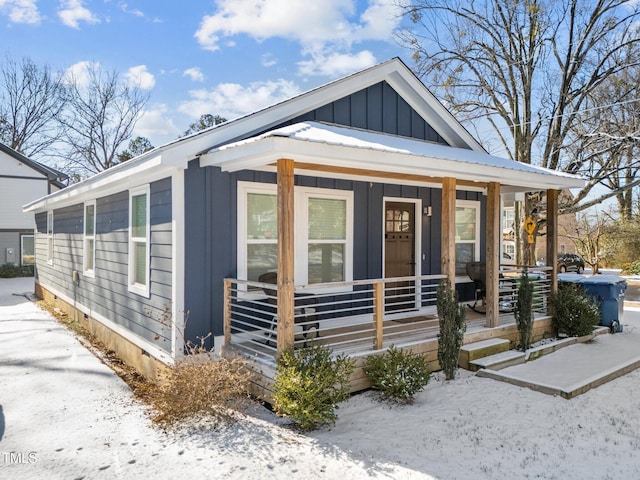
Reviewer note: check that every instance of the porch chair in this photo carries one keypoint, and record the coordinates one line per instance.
(303, 302)
(477, 272)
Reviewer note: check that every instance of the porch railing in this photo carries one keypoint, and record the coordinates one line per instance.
(354, 315)
(340, 314)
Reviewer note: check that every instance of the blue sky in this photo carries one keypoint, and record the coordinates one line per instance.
(225, 57)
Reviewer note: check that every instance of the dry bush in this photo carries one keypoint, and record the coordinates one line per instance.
(209, 386)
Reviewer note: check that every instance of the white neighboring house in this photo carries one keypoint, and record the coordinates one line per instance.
(21, 181)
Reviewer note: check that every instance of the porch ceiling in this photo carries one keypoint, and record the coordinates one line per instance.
(348, 151)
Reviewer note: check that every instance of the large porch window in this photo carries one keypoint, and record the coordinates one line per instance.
(467, 234)
(323, 233)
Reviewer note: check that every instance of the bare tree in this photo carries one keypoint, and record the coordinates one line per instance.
(589, 236)
(31, 99)
(523, 68)
(100, 117)
(608, 137)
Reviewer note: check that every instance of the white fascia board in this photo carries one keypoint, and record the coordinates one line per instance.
(104, 183)
(264, 151)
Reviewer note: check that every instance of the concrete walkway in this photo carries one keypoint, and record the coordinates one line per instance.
(577, 368)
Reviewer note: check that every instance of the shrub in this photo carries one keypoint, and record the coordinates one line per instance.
(574, 313)
(207, 386)
(8, 270)
(309, 383)
(632, 268)
(452, 328)
(524, 311)
(397, 374)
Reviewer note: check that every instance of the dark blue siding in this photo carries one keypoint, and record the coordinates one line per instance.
(211, 233)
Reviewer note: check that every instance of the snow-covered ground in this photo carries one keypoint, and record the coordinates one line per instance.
(64, 415)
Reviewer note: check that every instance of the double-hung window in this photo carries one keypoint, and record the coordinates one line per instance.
(89, 244)
(50, 238)
(467, 234)
(139, 240)
(323, 233)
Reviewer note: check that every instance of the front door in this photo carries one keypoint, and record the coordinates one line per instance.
(399, 254)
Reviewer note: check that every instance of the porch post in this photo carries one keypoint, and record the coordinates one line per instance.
(285, 328)
(552, 236)
(448, 243)
(493, 255)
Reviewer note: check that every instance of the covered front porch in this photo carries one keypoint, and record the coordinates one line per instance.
(360, 316)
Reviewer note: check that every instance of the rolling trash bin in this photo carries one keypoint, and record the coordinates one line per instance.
(608, 291)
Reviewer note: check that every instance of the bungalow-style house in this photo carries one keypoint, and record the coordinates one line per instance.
(330, 217)
(22, 180)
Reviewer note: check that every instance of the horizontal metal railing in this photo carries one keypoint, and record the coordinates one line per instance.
(345, 315)
(338, 314)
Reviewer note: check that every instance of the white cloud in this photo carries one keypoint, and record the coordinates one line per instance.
(267, 60)
(155, 124)
(80, 72)
(194, 74)
(21, 11)
(133, 11)
(231, 100)
(308, 22)
(72, 12)
(336, 64)
(140, 77)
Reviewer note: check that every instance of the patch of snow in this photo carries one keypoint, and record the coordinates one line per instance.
(63, 415)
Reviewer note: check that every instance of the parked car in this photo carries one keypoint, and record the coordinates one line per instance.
(570, 262)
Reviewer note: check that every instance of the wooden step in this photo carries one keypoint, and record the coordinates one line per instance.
(484, 348)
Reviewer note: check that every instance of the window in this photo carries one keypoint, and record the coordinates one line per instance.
(28, 255)
(50, 237)
(139, 240)
(326, 239)
(89, 257)
(323, 234)
(467, 234)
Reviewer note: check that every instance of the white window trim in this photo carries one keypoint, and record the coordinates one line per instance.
(472, 204)
(138, 288)
(86, 271)
(301, 234)
(22, 237)
(50, 237)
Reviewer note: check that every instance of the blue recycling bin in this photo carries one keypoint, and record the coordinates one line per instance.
(608, 291)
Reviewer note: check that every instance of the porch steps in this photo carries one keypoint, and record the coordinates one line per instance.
(498, 361)
(510, 358)
(485, 348)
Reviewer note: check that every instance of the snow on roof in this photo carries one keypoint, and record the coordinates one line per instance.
(351, 147)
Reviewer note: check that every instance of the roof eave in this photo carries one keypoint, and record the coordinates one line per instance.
(267, 150)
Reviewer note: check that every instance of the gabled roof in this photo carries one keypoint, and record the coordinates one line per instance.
(357, 150)
(179, 152)
(55, 177)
